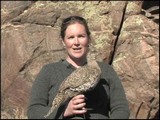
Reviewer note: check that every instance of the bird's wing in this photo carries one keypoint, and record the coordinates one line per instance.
(75, 79)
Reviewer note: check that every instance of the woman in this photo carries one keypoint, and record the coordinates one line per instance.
(106, 100)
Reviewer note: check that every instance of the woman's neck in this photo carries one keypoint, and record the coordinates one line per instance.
(77, 62)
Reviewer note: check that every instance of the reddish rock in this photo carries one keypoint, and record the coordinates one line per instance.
(123, 35)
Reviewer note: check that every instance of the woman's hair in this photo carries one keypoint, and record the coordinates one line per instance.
(73, 19)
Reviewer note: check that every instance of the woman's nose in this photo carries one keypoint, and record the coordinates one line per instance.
(76, 41)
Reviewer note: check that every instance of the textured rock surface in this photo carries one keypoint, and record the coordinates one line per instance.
(123, 35)
(136, 61)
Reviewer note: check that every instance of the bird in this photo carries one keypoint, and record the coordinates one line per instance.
(81, 80)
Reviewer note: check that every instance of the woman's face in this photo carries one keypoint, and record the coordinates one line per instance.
(76, 41)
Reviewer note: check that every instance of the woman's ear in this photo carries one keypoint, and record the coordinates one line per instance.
(89, 41)
(63, 43)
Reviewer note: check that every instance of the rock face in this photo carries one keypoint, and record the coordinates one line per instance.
(136, 61)
(125, 35)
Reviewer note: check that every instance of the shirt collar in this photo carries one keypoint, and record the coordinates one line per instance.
(68, 65)
(64, 61)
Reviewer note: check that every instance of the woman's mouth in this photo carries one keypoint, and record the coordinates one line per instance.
(77, 49)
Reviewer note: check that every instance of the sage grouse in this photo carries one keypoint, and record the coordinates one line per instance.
(79, 81)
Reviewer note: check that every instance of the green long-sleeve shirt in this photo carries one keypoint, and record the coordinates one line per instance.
(107, 100)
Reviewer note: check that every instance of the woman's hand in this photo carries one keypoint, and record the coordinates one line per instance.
(76, 106)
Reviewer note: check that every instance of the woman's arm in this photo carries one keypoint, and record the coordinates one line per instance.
(119, 108)
(38, 106)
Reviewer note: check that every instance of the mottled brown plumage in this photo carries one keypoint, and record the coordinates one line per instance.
(79, 81)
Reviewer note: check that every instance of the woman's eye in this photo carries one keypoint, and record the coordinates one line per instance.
(81, 36)
(71, 37)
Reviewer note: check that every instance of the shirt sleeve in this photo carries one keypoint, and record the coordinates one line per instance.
(119, 108)
(38, 105)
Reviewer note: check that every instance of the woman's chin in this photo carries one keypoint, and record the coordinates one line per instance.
(78, 56)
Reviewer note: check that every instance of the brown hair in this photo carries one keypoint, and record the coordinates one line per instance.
(70, 20)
